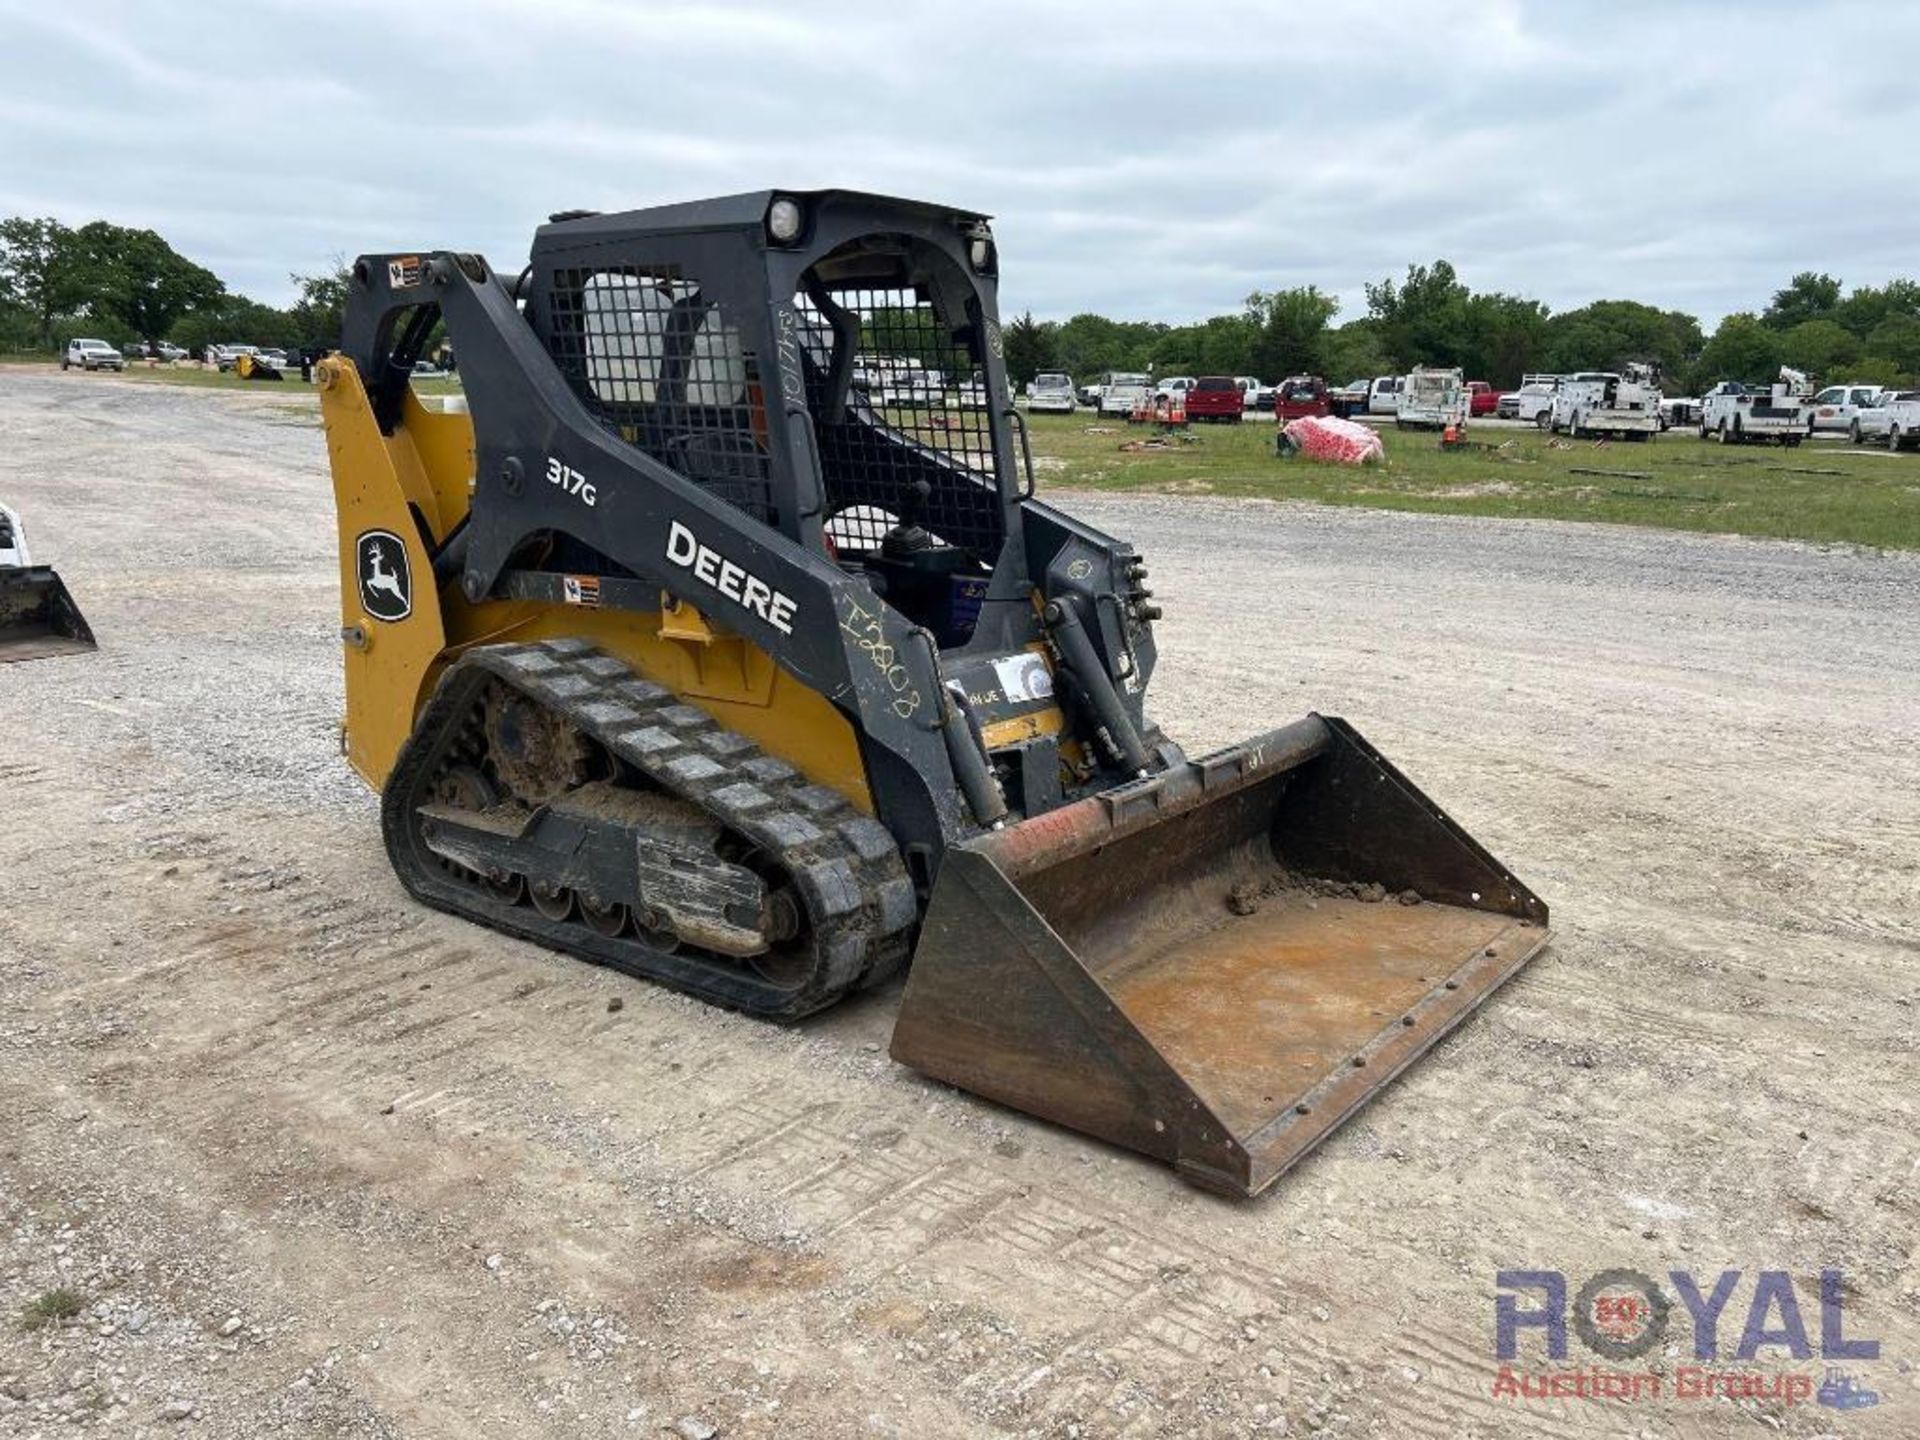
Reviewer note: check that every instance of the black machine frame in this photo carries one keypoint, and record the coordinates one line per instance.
(566, 483)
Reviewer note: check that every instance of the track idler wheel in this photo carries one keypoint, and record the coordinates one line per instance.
(463, 787)
(608, 920)
(553, 901)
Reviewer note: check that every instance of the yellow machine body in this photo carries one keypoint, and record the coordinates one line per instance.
(424, 469)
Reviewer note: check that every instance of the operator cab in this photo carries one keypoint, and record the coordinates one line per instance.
(827, 364)
(910, 462)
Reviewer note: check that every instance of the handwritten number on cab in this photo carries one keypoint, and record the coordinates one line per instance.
(864, 626)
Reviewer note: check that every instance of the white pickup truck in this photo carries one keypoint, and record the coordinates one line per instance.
(1532, 402)
(1894, 416)
(1383, 396)
(912, 387)
(1735, 413)
(1123, 390)
(1600, 402)
(92, 355)
(1051, 393)
(1837, 408)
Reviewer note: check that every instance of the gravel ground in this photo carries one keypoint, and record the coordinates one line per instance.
(309, 1160)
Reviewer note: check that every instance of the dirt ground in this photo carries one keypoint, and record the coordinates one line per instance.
(315, 1161)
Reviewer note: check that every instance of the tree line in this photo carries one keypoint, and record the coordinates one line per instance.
(1870, 334)
(125, 285)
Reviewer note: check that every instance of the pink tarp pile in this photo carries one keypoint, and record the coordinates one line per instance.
(1325, 437)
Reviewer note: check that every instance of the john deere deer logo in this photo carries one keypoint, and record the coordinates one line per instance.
(386, 589)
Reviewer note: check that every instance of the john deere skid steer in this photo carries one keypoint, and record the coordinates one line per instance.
(716, 634)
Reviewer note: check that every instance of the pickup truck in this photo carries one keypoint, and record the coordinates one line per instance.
(969, 394)
(912, 389)
(1897, 416)
(1123, 391)
(1300, 397)
(1383, 396)
(1255, 394)
(1836, 407)
(1679, 410)
(1533, 402)
(221, 357)
(1482, 398)
(1734, 412)
(92, 355)
(1051, 393)
(1350, 399)
(1216, 397)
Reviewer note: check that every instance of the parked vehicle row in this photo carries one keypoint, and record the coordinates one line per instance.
(99, 355)
(1625, 404)
(1054, 392)
(160, 350)
(90, 354)
(908, 385)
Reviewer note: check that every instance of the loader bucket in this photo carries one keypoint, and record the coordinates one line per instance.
(37, 616)
(1218, 964)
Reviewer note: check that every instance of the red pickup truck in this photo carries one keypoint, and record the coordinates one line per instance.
(1300, 397)
(1216, 397)
(1482, 398)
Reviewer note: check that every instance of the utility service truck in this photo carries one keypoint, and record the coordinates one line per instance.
(1734, 412)
(1602, 402)
(1431, 399)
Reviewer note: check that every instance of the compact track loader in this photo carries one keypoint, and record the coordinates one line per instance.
(716, 634)
(38, 618)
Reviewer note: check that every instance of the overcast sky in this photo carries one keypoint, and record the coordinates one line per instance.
(1156, 161)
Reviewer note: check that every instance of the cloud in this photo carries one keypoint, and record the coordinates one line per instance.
(1140, 160)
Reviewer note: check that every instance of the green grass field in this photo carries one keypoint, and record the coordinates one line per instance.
(1825, 491)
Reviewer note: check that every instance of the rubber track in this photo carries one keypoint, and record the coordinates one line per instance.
(846, 867)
